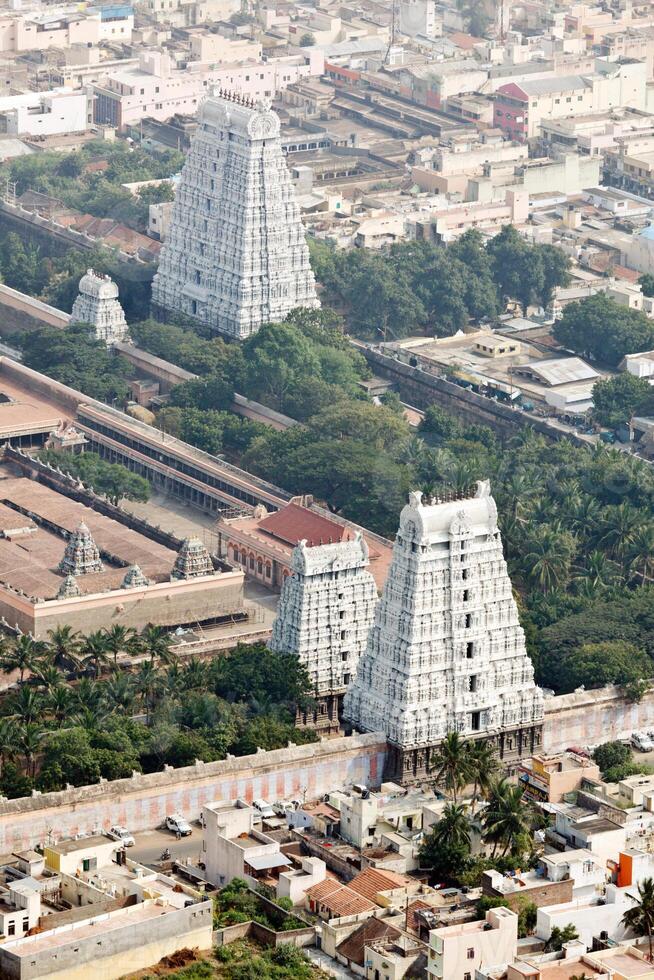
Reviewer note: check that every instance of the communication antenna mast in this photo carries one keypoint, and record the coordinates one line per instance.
(391, 43)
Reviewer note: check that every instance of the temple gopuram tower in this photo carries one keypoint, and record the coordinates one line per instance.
(97, 304)
(447, 652)
(192, 560)
(324, 616)
(235, 256)
(81, 555)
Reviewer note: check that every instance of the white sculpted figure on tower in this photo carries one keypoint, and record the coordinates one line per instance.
(236, 255)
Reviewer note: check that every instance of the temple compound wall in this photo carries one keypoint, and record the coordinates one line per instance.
(590, 717)
(143, 802)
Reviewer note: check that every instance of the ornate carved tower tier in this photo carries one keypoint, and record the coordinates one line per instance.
(324, 617)
(236, 255)
(447, 652)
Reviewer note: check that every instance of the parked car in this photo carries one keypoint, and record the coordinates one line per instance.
(178, 825)
(123, 835)
(642, 742)
(264, 808)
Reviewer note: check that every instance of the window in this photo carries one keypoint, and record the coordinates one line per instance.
(346, 679)
(467, 976)
(466, 595)
(475, 721)
(468, 623)
(464, 573)
(470, 953)
(470, 649)
(472, 683)
(26, 924)
(557, 101)
(11, 928)
(569, 99)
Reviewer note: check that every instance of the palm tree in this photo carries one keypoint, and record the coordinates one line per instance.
(450, 764)
(8, 740)
(453, 828)
(148, 684)
(29, 741)
(195, 674)
(96, 652)
(26, 705)
(519, 489)
(120, 693)
(64, 648)
(88, 694)
(24, 655)
(640, 553)
(619, 527)
(641, 917)
(598, 571)
(483, 765)
(507, 818)
(59, 703)
(156, 641)
(48, 676)
(120, 639)
(548, 555)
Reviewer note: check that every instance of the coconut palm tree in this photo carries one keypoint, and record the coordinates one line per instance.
(453, 828)
(88, 694)
(64, 648)
(598, 571)
(120, 639)
(60, 702)
(96, 653)
(195, 674)
(640, 918)
(483, 765)
(507, 818)
(29, 743)
(8, 740)
(619, 528)
(640, 553)
(156, 642)
(120, 693)
(48, 677)
(148, 685)
(450, 764)
(548, 556)
(25, 705)
(24, 655)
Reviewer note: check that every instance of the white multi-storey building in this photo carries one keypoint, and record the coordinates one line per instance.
(447, 652)
(324, 617)
(236, 255)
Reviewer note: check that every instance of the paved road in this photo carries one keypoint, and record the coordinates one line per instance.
(150, 844)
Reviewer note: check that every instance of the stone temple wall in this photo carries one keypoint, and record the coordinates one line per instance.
(142, 802)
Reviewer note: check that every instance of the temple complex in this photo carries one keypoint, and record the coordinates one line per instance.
(446, 651)
(97, 304)
(235, 256)
(324, 617)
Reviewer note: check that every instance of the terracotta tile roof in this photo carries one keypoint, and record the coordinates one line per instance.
(411, 920)
(294, 523)
(353, 948)
(339, 899)
(371, 881)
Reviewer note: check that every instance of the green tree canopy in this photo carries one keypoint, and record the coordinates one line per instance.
(602, 330)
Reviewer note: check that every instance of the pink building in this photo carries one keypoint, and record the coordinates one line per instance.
(511, 111)
(156, 90)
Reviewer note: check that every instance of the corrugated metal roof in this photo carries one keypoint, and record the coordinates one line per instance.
(543, 86)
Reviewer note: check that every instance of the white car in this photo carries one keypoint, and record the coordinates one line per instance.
(123, 835)
(178, 825)
(264, 808)
(641, 742)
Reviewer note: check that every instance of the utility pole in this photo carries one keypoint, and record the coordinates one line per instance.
(391, 42)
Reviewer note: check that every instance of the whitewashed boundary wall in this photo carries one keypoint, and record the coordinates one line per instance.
(142, 802)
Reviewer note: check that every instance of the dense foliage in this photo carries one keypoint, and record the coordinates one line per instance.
(79, 709)
(90, 179)
(75, 358)
(415, 286)
(616, 762)
(110, 479)
(602, 330)
(617, 400)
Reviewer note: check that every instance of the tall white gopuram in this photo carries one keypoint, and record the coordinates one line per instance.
(324, 617)
(235, 256)
(446, 652)
(97, 304)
